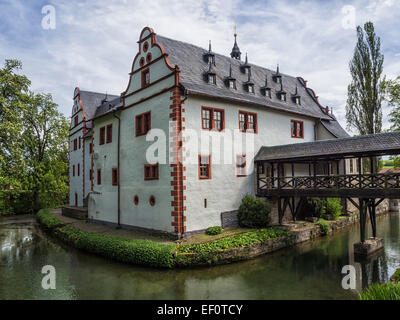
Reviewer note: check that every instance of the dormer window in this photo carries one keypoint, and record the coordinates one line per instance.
(277, 76)
(246, 67)
(282, 96)
(296, 97)
(230, 81)
(211, 79)
(267, 92)
(209, 56)
(250, 88)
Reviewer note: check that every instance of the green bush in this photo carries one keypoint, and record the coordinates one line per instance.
(48, 220)
(135, 251)
(396, 276)
(323, 226)
(333, 209)
(381, 292)
(254, 213)
(212, 231)
(329, 209)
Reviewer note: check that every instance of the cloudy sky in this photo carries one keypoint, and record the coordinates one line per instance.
(94, 42)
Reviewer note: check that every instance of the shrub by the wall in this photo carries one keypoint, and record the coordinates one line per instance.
(333, 208)
(212, 231)
(254, 213)
(323, 226)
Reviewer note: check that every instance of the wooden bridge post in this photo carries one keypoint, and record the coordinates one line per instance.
(363, 212)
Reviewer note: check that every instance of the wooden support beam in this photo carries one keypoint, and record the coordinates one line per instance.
(354, 203)
(363, 214)
(372, 215)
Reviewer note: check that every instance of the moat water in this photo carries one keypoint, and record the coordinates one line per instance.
(310, 270)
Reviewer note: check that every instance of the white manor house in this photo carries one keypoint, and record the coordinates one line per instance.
(180, 89)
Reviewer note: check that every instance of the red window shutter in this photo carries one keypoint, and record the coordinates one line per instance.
(98, 176)
(102, 135)
(109, 133)
(73, 170)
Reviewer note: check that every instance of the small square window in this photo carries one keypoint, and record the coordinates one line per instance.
(297, 129)
(115, 176)
(145, 78)
(204, 167)
(241, 165)
(151, 172)
(143, 123)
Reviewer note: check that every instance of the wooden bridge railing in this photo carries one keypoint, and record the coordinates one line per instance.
(352, 181)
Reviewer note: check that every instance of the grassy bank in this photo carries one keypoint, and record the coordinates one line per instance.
(150, 253)
(229, 249)
(134, 251)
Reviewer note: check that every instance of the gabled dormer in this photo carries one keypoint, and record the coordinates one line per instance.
(245, 67)
(230, 81)
(266, 90)
(210, 75)
(249, 84)
(277, 77)
(281, 94)
(296, 97)
(209, 56)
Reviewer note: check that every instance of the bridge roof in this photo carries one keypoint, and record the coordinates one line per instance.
(351, 147)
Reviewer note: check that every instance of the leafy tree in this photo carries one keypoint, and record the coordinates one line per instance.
(392, 95)
(33, 137)
(365, 92)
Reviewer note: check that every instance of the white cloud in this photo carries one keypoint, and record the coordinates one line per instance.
(95, 42)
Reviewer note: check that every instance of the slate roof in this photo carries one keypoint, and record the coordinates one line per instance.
(91, 100)
(108, 106)
(192, 67)
(376, 144)
(335, 128)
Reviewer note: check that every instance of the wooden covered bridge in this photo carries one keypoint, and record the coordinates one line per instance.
(329, 168)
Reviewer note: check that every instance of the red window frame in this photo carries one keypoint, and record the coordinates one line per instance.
(91, 147)
(212, 120)
(79, 142)
(151, 171)
(102, 134)
(145, 83)
(142, 123)
(75, 144)
(114, 176)
(206, 166)
(76, 121)
(79, 169)
(294, 129)
(243, 165)
(245, 121)
(73, 170)
(99, 176)
(109, 134)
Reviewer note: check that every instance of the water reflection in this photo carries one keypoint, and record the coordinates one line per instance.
(308, 271)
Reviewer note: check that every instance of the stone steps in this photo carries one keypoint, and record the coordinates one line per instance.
(80, 213)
